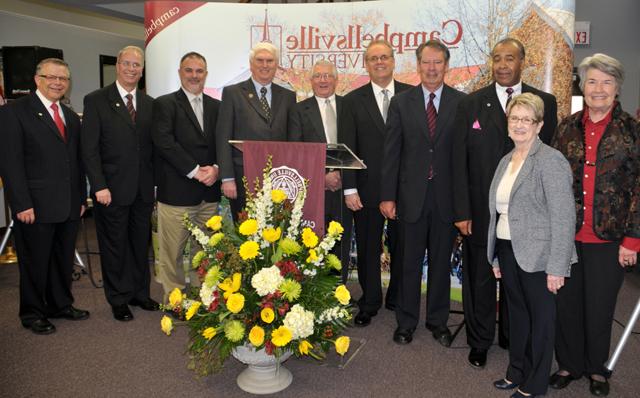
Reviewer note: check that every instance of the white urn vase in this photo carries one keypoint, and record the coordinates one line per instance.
(264, 373)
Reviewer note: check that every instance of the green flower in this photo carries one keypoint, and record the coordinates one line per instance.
(333, 261)
(290, 289)
(290, 246)
(213, 276)
(197, 259)
(215, 239)
(234, 331)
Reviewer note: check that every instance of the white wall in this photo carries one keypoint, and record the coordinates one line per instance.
(615, 31)
(81, 36)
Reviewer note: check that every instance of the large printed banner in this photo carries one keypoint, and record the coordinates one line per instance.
(339, 32)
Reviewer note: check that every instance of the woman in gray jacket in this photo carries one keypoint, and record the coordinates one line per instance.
(530, 243)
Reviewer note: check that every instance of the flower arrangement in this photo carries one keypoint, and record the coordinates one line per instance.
(267, 283)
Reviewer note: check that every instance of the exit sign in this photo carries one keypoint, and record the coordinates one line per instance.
(582, 36)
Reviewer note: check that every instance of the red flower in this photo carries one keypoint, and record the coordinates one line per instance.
(283, 310)
(328, 332)
(214, 305)
(219, 255)
(268, 347)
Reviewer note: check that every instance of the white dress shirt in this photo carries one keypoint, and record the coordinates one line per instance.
(503, 96)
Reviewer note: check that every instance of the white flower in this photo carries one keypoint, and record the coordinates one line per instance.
(299, 321)
(332, 314)
(296, 215)
(267, 280)
(206, 294)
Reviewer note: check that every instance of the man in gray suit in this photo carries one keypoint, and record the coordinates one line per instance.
(255, 109)
(316, 120)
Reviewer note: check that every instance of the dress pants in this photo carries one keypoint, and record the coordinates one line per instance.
(123, 236)
(45, 254)
(369, 223)
(172, 239)
(335, 209)
(479, 298)
(586, 305)
(437, 237)
(237, 205)
(532, 316)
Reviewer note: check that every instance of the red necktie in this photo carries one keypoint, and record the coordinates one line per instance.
(130, 108)
(58, 121)
(431, 121)
(509, 91)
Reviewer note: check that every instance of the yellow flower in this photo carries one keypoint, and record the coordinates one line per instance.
(278, 196)
(256, 336)
(281, 336)
(231, 285)
(249, 250)
(197, 259)
(166, 324)
(192, 310)
(304, 347)
(267, 315)
(342, 344)
(234, 330)
(309, 238)
(333, 261)
(248, 227)
(289, 246)
(290, 289)
(335, 228)
(215, 239)
(215, 223)
(175, 298)
(235, 302)
(313, 256)
(271, 235)
(342, 294)
(209, 332)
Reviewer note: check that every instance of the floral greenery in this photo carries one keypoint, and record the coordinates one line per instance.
(268, 283)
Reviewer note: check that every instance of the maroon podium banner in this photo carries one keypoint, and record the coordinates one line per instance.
(292, 164)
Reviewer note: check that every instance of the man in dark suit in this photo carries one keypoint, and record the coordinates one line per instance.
(480, 141)
(41, 169)
(316, 120)
(362, 127)
(184, 137)
(255, 109)
(416, 189)
(117, 154)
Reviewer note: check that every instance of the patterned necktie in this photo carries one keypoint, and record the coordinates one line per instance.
(385, 104)
(330, 122)
(130, 108)
(265, 103)
(432, 115)
(197, 109)
(58, 121)
(509, 92)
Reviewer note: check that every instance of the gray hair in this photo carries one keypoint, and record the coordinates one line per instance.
(134, 49)
(264, 46)
(436, 45)
(381, 42)
(55, 61)
(324, 62)
(604, 64)
(531, 101)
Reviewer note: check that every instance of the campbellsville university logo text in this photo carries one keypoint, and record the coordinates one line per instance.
(345, 50)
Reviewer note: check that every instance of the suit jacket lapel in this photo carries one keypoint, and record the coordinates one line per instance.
(43, 114)
(419, 111)
(186, 106)
(446, 110)
(118, 106)
(492, 104)
(369, 101)
(526, 168)
(249, 93)
(313, 109)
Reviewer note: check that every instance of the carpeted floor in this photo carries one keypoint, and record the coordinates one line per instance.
(102, 357)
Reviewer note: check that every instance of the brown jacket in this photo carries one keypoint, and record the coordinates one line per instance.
(616, 203)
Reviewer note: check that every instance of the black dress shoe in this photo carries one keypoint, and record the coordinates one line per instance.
(122, 312)
(147, 305)
(390, 306)
(40, 326)
(72, 314)
(519, 394)
(403, 336)
(599, 388)
(363, 318)
(478, 358)
(441, 334)
(558, 381)
(503, 384)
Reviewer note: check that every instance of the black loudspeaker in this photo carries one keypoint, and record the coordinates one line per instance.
(19, 67)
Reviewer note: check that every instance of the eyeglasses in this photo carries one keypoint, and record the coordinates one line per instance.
(53, 78)
(526, 121)
(383, 58)
(325, 76)
(133, 65)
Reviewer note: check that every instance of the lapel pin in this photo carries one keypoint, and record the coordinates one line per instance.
(40, 114)
(489, 104)
(250, 95)
(117, 104)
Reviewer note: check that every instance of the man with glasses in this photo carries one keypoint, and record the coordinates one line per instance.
(40, 167)
(362, 126)
(480, 141)
(316, 120)
(117, 153)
